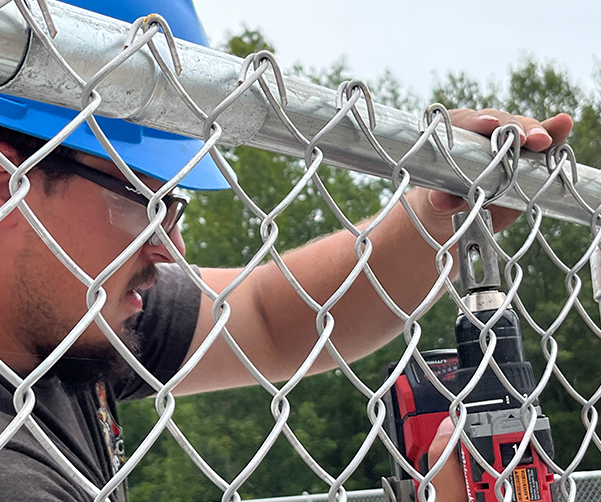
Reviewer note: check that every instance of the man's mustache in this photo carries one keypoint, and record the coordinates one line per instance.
(145, 278)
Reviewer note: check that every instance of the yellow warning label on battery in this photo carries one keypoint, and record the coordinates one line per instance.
(521, 486)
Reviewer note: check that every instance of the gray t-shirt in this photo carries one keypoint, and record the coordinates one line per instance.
(84, 425)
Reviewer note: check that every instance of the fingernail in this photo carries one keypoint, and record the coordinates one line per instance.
(446, 427)
(537, 130)
(488, 117)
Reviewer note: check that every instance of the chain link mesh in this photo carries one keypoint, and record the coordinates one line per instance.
(505, 148)
(588, 486)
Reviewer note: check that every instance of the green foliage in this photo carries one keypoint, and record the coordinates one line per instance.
(542, 91)
(330, 77)
(328, 414)
(460, 91)
(247, 42)
(586, 140)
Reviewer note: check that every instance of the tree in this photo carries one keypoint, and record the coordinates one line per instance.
(248, 42)
(542, 90)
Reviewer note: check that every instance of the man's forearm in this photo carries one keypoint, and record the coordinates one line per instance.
(403, 262)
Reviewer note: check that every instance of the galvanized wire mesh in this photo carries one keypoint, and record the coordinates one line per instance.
(588, 484)
(353, 104)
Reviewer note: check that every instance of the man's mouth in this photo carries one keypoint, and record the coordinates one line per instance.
(139, 283)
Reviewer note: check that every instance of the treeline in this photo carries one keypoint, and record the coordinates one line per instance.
(328, 413)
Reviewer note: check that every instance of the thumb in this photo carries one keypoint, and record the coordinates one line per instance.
(449, 482)
(445, 202)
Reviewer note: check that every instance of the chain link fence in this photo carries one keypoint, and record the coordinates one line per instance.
(589, 485)
(66, 56)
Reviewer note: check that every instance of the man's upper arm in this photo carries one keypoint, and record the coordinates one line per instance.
(219, 368)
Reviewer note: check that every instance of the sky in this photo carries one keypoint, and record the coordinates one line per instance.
(416, 38)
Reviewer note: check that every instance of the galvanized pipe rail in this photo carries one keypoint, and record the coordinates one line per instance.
(139, 92)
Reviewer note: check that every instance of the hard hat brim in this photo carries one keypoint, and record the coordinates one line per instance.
(155, 153)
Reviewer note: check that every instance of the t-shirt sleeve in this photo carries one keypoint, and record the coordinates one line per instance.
(165, 329)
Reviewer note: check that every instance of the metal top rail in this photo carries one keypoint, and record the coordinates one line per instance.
(138, 91)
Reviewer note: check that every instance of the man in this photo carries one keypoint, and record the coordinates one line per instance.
(82, 200)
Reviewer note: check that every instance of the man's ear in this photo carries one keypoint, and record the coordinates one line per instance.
(12, 155)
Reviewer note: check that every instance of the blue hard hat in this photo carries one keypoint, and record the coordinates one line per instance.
(156, 153)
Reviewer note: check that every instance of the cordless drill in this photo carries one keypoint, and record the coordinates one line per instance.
(493, 422)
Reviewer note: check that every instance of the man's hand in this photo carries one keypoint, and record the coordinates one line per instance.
(435, 208)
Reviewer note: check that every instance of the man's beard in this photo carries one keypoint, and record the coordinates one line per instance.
(81, 367)
(43, 323)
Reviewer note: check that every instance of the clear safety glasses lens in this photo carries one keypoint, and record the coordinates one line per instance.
(132, 217)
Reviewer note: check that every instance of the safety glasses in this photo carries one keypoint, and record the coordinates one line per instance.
(127, 206)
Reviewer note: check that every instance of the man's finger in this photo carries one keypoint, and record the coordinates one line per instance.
(449, 482)
(534, 135)
(559, 127)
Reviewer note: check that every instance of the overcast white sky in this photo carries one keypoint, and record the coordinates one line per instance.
(414, 38)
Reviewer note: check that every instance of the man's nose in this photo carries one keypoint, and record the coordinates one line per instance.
(159, 253)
